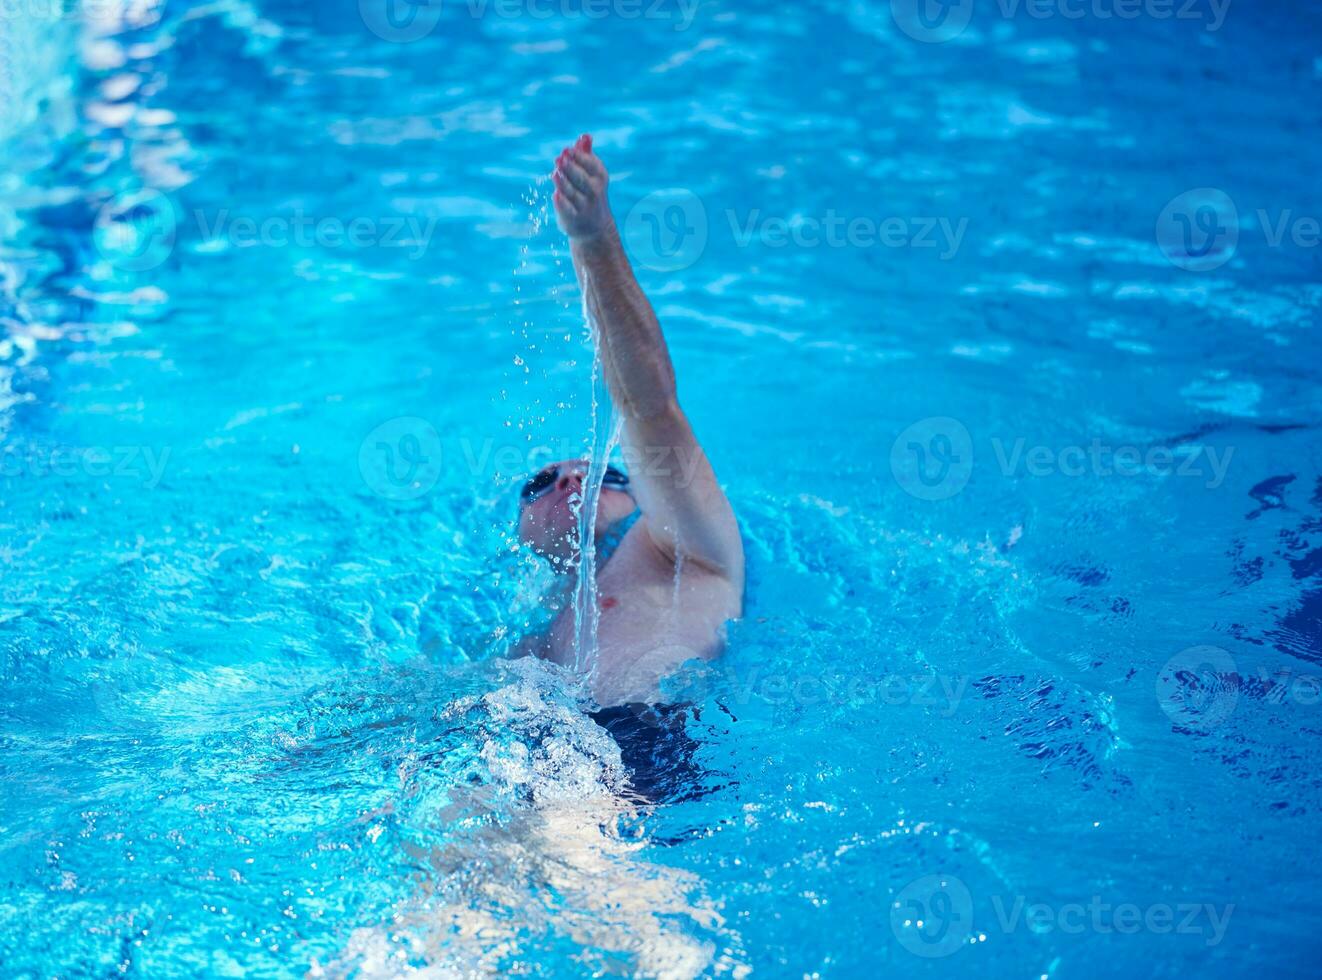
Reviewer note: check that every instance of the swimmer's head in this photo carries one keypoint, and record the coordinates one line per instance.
(548, 506)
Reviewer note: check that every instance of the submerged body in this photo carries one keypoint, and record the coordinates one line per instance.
(676, 577)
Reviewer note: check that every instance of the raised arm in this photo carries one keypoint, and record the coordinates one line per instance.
(684, 509)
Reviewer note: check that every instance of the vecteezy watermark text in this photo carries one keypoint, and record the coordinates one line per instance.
(1102, 459)
(403, 458)
(669, 229)
(139, 230)
(303, 230)
(937, 21)
(1100, 916)
(142, 465)
(938, 693)
(834, 230)
(920, 688)
(403, 21)
(935, 916)
(933, 459)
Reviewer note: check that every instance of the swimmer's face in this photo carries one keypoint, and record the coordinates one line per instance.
(548, 507)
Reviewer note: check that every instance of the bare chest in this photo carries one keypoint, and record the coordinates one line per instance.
(651, 617)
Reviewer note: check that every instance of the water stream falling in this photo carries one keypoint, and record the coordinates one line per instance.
(603, 437)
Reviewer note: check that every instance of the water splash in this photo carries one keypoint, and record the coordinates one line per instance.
(549, 848)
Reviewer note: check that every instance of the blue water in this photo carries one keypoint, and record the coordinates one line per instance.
(1027, 464)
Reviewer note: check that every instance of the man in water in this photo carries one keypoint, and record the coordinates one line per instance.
(676, 576)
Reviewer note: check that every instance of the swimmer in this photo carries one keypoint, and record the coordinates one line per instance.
(676, 576)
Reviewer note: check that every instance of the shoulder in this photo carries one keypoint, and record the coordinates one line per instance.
(643, 560)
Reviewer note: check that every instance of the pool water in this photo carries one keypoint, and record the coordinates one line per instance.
(1005, 348)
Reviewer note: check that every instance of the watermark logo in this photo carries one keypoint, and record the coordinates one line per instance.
(667, 229)
(136, 231)
(932, 21)
(404, 458)
(933, 916)
(1198, 230)
(1198, 688)
(940, 693)
(401, 458)
(933, 458)
(937, 21)
(400, 21)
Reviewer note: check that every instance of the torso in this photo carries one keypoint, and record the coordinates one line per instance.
(653, 617)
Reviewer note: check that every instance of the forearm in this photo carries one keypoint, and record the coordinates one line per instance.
(685, 513)
(633, 351)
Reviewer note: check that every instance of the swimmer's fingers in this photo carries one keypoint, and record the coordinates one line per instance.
(567, 191)
(563, 163)
(578, 176)
(592, 164)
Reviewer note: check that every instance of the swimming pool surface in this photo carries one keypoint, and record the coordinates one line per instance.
(1004, 347)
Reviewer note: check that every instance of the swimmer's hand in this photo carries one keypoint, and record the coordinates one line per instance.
(580, 192)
